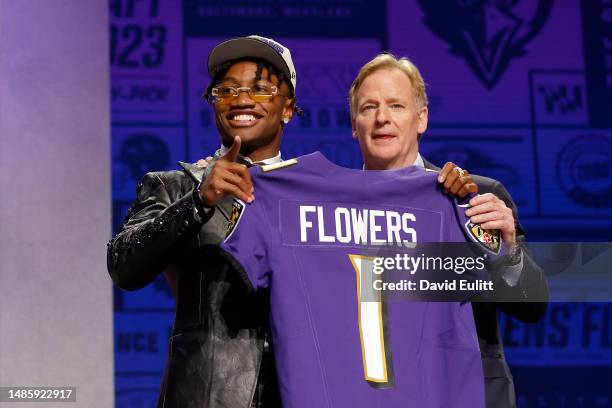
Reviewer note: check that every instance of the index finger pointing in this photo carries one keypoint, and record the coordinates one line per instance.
(232, 153)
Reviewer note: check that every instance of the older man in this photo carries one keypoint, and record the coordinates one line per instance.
(389, 115)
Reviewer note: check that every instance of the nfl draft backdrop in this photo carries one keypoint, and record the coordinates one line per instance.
(519, 90)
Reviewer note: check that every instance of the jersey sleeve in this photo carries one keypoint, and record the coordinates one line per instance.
(245, 244)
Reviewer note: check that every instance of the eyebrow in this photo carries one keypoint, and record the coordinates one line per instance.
(375, 101)
(367, 101)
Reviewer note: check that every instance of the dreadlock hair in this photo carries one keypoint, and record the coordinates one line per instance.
(261, 64)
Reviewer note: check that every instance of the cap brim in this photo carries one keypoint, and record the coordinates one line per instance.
(245, 47)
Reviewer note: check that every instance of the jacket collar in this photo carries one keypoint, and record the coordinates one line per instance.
(428, 165)
(195, 171)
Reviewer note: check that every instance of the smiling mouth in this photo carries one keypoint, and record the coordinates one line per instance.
(242, 120)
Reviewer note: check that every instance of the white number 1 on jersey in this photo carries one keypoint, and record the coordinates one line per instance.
(371, 329)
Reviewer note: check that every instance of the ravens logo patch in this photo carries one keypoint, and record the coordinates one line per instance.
(237, 209)
(490, 239)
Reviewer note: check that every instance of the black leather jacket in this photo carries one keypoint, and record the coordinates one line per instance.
(216, 352)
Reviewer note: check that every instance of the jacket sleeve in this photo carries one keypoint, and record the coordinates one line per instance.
(532, 282)
(158, 225)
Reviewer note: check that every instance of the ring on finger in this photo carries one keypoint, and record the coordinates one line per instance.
(460, 171)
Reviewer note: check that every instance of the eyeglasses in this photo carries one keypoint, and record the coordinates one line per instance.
(258, 93)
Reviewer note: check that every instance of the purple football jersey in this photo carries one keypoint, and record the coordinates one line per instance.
(302, 238)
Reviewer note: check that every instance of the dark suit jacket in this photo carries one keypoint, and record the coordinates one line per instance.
(499, 385)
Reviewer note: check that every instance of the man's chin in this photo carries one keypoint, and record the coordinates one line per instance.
(384, 159)
(384, 153)
(254, 140)
(249, 137)
(245, 134)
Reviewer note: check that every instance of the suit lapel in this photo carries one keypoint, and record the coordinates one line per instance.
(195, 172)
(430, 166)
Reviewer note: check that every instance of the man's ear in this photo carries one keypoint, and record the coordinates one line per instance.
(288, 110)
(423, 117)
(354, 127)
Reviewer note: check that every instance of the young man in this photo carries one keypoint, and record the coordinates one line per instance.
(389, 115)
(218, 354)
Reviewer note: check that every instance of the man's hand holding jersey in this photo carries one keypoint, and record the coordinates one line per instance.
(492, 213)
(456, 181)
(487, 210)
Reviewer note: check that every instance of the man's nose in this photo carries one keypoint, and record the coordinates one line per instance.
(243, 98)
(382, 114)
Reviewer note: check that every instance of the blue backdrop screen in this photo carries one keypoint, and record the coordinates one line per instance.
(520, 91)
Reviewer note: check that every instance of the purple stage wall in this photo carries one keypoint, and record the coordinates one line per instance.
(56, 317)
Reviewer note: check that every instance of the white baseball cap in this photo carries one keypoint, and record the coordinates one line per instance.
(253, 46)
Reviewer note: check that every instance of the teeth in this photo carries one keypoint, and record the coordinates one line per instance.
(244, 118)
